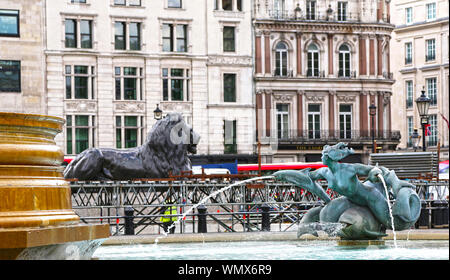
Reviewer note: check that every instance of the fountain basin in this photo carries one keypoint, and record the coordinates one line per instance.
(36, 215)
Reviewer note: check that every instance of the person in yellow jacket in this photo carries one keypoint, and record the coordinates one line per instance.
(168, 220)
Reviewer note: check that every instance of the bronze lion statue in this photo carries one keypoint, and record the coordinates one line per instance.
(165, 150)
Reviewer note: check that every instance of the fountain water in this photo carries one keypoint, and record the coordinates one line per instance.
(390, 208)
(209, 196)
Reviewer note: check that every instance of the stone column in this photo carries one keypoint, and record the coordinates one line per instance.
(372, 56)
(258, 57)
(299, 54)
(363, 114)
(330, 54)
(267, 53)
(331, 125)
(268, 106)
(299, 113)
(362, 56)
(258, 114)
(379, 56)
(380, 112)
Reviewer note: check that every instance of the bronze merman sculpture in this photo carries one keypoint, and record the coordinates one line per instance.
(363, 208)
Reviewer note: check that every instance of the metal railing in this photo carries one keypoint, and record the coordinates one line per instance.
(240, 208)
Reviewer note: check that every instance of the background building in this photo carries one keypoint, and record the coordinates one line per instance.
(421, 39)
(318, 67)
(110, 63)
(22, 61)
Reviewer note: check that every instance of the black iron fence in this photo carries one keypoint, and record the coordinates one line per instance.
(337, 134)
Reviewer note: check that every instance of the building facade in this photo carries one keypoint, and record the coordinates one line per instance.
(22, 60)
(421, 36)
(111, 63)
(319, 65)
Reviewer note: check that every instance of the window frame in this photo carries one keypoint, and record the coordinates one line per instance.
(72, 77)
(408, 53)
(230, 148)
(283, 119)
(72, 126)
(431, 5)
(180, 6)
(173, 37)
(168, 78)
(122, 78)
(313, 132)
(311, 72)
(431, 90)
(231, 40)
(430, 54)
(18, 69)
(344, 131)
(17, 17)
(408, 15)
(342, 7)
(280, 56)
(226, 87)
(77, 32)
(409, 92)
(122, 128)
(311, 10)
(344, 56)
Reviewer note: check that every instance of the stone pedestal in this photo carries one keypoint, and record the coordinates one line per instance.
(35, 200)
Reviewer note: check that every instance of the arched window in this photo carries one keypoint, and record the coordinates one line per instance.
(281, 59)
(344, 61)
(313, 61)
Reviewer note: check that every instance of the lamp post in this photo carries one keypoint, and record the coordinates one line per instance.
(423, 103)
(157, 113)
(372, 112)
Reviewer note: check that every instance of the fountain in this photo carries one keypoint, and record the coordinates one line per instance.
(36, 216)
(364, 208)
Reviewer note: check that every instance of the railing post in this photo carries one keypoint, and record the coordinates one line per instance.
(129, 216)
(201, 219)
(265, 218)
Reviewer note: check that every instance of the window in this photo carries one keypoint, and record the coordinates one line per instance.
(313, 61)
(78, 1)
(175, 84)
(135, 36)
(179, 40)
(10, 76)
(432, 90)
(230, 143)
(174, 3)
(345, 121)
(228, 39)
(410, 128)
(314, 121)
(408, 53)
(79, 81)
(310, 10)
(128, 83)
(229, 87)
(9, 23)
(86, 34)
(344, 61)
(227, 5)
(279, 8)
(431, 11)
(283, 121)
(431, 50)
(127, 2)
(433, 136)
(281, 59)
(129, 131)
(342, 11)
(409, 94)
(81, 40)
(409, 15)
(71, 33)
(80, 131)
(120, 36)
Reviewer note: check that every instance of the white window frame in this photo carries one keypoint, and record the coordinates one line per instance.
(91, 76)
(431, 11)
(284, 131)
(139, 82)
(140, 133)
(91, 131)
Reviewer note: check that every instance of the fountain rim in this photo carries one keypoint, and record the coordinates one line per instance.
(33, 116)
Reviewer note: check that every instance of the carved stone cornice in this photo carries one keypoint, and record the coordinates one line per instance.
(230, 60)
(129, 106)
(87, 106)
(173, 106)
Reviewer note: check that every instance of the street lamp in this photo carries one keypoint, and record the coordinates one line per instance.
(157, 113)
(373, 112)
(423, 103)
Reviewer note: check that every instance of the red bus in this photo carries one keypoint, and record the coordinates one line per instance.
(272, 167)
